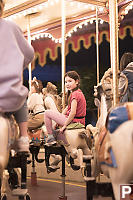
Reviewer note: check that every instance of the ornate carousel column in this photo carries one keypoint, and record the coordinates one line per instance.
(113, 18)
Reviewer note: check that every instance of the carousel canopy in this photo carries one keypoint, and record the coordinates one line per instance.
(44, 16)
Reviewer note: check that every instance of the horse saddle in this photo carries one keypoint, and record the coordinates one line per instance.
(35, 134)
(75, 125)
(35, 137)
(103, 149)
(61, 137)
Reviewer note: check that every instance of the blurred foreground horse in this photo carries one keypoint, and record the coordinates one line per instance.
(113, 137)
(9, 133)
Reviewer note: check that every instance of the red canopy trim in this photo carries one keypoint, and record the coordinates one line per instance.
(43, 47)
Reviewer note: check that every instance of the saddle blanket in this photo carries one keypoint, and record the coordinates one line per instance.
(75, 125)
(119, 115)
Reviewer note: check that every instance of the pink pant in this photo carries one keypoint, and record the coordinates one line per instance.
(50, 115)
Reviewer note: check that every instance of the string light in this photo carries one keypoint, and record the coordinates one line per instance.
(92, 7)
(126, 11)
(75, 29)
(69, 34)
(91, 21)
(129, 7)
(51, 3)
(60, 40)
(33, 9)
(101, 21)
(101, 9)
(86, 23)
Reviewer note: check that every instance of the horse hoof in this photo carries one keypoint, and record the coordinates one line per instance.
(50, 144)
(51, 168)
(3, 197)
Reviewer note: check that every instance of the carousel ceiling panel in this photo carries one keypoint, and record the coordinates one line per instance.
(11, 3)
(45, 15)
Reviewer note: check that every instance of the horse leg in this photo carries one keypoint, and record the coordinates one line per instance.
(4, 182)
(78, 153)
(116, 190)
(80, 159)
(56, 159)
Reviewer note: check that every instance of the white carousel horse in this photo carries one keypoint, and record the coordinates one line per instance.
(121, 144)
(74, 138)
(76, 145)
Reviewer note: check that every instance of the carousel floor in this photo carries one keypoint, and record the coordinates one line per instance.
(51, 190)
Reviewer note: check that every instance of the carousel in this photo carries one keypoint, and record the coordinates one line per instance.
(88, 151)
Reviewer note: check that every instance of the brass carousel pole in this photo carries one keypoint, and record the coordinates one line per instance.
(33, 172)
(97, 45)
(63, 63)
(29, 40)
(97, 49)
(113, 18)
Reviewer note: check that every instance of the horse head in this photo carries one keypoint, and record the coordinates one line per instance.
(104, 88)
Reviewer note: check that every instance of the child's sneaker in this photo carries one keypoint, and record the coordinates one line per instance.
(50, 140)
(23, 144)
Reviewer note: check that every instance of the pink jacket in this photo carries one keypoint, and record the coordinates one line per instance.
(15, 55)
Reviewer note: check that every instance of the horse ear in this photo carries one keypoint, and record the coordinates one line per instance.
(97, 102)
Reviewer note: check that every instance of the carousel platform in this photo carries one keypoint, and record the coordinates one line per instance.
(47, 189)
(53, 186)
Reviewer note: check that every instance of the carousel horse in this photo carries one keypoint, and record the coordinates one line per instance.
(73, 138)
(9, 134)
(113, 138)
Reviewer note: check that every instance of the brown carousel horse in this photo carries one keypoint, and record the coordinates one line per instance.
(113, 137)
